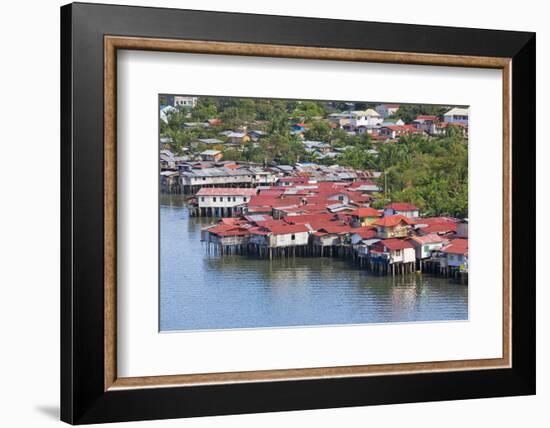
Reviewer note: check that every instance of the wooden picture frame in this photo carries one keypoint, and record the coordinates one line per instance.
(91, 390)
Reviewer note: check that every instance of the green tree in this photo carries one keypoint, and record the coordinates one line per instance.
(409, 112)
(318, 131)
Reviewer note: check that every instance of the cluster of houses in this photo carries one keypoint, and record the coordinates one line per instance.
(308, 209)
(179, 175)
(381, 123)
(302, 217)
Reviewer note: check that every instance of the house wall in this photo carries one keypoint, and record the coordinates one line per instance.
(264, 178)
(329, 240)
(456, 260)
(362, 250)
(357, 121)
(362, 221)
(233, 240)
(340, 197)
(388, 133)
(262, 240)
(221, 201)
(212, 158)
(391, 211)
(405, 255)
(462, 229)
(456, 119)
(300, 238)
(391, 232)
(424, 251)
(185, 101)
(192, 180)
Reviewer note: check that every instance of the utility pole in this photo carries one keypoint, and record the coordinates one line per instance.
(385, 185)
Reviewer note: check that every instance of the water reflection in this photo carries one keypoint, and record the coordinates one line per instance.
(205, 291)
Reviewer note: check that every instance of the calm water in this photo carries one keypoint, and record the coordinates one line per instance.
(205, 291)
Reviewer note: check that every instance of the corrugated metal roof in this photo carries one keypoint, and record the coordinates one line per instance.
(226, 191)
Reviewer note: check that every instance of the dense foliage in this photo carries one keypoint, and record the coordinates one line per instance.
(408, 112)
(431, 172)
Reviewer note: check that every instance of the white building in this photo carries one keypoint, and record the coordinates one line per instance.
(424, 245)
(222, 201)
(456, 115)
(216, 177)
(286, 236)
(394, 250)
(402, 208)
(194, 179)
(364, 118)
(186, 102)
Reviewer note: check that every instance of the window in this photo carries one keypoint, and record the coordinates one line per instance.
(234, 199)
(293, 237)
(202, 199)
(397, 253)
(214, 199)
(244, 198)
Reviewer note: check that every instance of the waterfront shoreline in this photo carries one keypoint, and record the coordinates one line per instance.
(202, 292)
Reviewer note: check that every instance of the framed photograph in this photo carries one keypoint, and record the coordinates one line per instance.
(265, 213)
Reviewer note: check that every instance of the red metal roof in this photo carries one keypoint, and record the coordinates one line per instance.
(336, 228)
(366, 232)
(231, 221)
(269, 201)
(319, 200)
(258, 231)
(437, 220)
(431, 238)
(392, 220)
(396, 244)
(307, 218)
(270, 192)
(232, 166)
(457, 246)
(437, 225)
(401, 127)
(366, 212)
(228, 230)
(259, 209)
(320, 224)
(402, 206)
(226, 191)
(287, 228)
